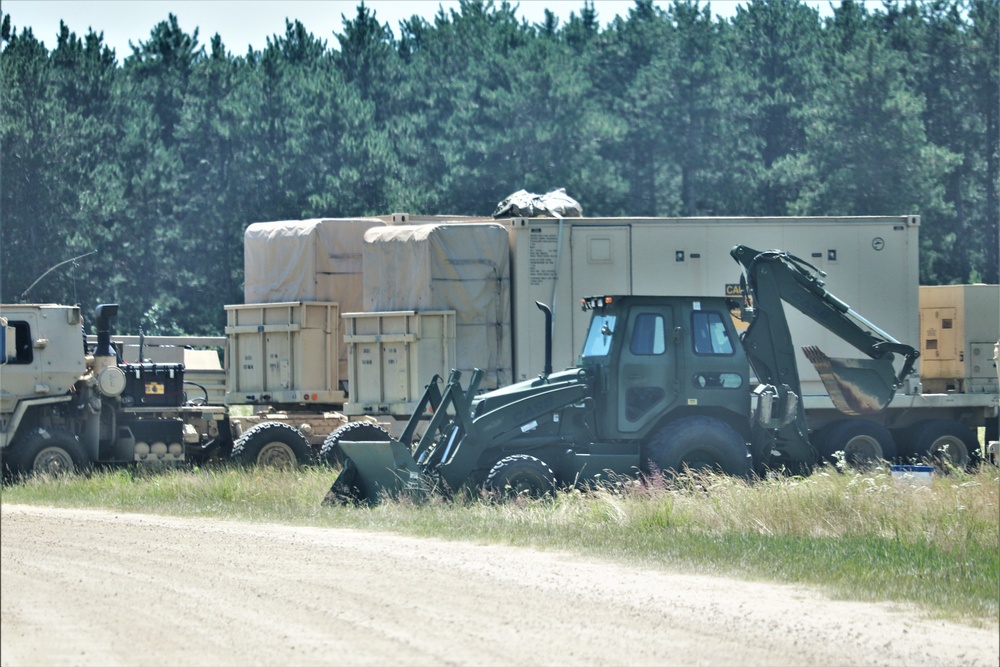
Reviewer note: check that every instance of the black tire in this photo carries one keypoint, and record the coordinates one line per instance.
(44, 451)
(521, 475)
(699, 443)
(945, 442)
(272, 444)
(331, 454)
(863, 442)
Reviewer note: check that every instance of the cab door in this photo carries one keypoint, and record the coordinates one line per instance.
(22, 368)
(647, 371)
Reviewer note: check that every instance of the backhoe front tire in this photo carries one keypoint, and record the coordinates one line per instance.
(699, 443)
(51, 452)
(331, 454)
(519, 476)
(274, 445)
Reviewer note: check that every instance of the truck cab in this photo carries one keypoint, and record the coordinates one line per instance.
(654, 358)
(43, 357)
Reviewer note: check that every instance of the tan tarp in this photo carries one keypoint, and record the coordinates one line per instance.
(465, 268)
(305, 260)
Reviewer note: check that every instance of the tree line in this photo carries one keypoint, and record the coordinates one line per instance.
(156, 161)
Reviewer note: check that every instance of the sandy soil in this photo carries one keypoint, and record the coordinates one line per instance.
(103, 588)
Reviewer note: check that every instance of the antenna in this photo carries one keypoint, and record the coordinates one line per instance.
(25, 292)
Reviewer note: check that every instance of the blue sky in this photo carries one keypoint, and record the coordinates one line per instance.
(243, 23)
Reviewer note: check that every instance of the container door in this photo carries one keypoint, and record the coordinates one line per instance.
(601, 265)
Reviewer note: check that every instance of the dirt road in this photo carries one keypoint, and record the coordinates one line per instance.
(101, 588)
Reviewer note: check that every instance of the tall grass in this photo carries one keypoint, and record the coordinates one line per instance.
(861, 535)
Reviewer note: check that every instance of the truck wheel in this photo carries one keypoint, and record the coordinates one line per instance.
(945, 441)
(331, 454)
(863, 442)
(272, 444)
(54, 452)
(699, 443)
(521, 475)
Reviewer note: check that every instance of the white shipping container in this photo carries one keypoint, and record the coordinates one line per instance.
(872, 265)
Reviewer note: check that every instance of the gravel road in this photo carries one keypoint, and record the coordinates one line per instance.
(85, 587)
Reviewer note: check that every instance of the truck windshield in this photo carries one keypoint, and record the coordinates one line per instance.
(599, 337)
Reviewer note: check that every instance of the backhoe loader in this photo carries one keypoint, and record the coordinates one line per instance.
(663, 383)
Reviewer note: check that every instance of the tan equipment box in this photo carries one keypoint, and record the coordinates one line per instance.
(393, 355)
(959, 327)
(283, 353)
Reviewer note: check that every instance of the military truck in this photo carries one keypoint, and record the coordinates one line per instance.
(67, 404)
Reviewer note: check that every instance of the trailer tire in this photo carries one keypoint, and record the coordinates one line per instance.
(52, 452)
(332, 455)
(863, 442)
(272, 444)
(521, 475)
(945, 441)
(699, 443)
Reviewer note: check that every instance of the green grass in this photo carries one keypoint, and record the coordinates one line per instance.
(860, 536)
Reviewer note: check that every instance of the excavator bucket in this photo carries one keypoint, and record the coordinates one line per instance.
(374, 470)
(856, 386)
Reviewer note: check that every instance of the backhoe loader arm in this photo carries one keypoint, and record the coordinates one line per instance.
(855, 386)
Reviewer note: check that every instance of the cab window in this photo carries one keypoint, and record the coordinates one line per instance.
(647, 335)
(710, 335)
(598, 343)
(17, 343)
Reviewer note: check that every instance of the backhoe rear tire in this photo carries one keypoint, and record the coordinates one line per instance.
(332, 455)
(698, 443)
(274, 445)
(521, 475)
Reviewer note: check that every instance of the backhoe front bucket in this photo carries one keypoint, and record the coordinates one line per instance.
(856, 386)
(374, 470)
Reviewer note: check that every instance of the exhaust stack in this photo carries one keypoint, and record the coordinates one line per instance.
(547, 371)
(105, 313)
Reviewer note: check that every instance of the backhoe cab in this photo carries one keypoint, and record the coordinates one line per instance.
(663, 383)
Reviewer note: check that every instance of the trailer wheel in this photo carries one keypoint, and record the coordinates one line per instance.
(51, 452)
(699, 443)
(863, 442)
(331, 454)
(521, 475)
(944, 441)
(272, 444)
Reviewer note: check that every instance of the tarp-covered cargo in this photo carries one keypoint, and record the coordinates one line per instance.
(464, 268)
(305, 260)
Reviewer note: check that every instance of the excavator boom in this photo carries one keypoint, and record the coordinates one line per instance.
(856, 386)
